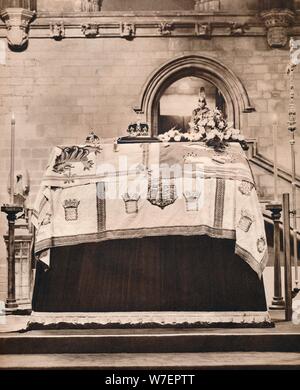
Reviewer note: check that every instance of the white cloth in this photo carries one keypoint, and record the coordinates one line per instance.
(91, 196)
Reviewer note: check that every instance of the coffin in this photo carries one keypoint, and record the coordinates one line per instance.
(199, 250)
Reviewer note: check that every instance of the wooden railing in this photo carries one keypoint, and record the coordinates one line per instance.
(282, 229)
(258, 159)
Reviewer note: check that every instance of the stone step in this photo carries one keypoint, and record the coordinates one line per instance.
(165, 361)
(279, 339)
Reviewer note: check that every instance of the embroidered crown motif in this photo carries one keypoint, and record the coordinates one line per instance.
(71, 209)
(246, 220)
(131, 202)
(192, 200)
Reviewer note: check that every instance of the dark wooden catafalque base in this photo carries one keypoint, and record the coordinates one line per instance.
(153, 274)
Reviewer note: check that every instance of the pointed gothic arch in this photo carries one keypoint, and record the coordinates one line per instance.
(207, 68)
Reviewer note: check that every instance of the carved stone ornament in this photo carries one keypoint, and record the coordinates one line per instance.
(21, 187)
(277, 22)
(165, 28)
(17, 22)
(207, 5)
(127, 30)
(203, 30)
(57, 31)
(238, 29)
(91, 5)
(90, 30)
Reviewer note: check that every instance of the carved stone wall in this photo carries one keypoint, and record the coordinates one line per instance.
(59, 5)
(280, 4)
(26, 4)
(277, 22)
(146, 5)
(91, 5)
(117, 5)
(207, 5)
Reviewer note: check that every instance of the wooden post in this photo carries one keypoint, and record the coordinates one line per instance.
(287, 257)
(11, 211)
(277, 301)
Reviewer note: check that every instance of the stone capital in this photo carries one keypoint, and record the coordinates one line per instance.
(17, 21)
(277, 22)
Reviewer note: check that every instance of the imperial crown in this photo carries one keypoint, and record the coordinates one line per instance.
(92, 139)
(138, 129)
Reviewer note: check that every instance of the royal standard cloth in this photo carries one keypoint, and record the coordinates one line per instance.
(92, 194)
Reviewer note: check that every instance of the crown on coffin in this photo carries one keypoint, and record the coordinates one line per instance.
(71, 203)
(92, 139)
(138, 129)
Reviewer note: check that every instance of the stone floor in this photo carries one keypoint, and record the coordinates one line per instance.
(203, 361)
(12, 326)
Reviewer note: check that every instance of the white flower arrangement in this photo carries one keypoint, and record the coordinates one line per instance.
(208, 126)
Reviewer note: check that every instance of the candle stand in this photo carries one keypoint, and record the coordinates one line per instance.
(11, 211)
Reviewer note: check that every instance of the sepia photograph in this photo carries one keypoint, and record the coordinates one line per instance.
(149, 188)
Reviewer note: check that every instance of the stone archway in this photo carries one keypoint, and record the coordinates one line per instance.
(207, 68)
